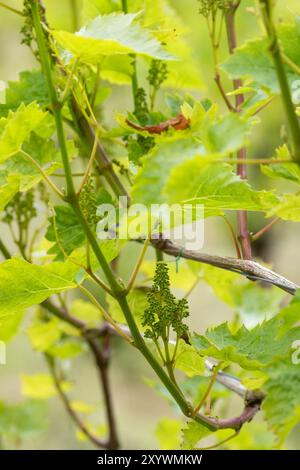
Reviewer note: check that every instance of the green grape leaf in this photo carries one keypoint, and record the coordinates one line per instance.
(24, 285)
(66, 349)
(254, 60)
(291, 313)
(152, 177)
(288, 208)
(110, 250)
(17, 127)
(184, 74)
(8, 189)
(22, 420)
(41, 386)
(93, 8)
(66, 232)
(253, 436)
(30, 87)
(168, 433)
(288, 171)
(168, 27)
(215, 186)
(221, 281)
(112, 34)
(82, 407)
(192, 434)
(9, 326)
(43, 152)
(42, 335)
(255, 302)
(85, 311)
(282, 402)
(252, 301)
(99, 430)
(226, 135)
(251, 349)
(117, 69)
(137, 301)
(189, 361)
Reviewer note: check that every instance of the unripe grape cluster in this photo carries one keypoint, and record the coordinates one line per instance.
(209, 6)
(164, 311)
(158, 73)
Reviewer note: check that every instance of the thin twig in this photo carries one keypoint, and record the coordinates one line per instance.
(13, 10)
(254, 161)
(79, 423)
(193, 286)
(4, 250)
(223, 93)
(105, 314)
(290, 63)
(138, 265)
(208, 390)
(74, 175)
(235, 242)
(65, 93)
(105, 165)
(90, 163)
(98, 281)
(261, 232)
(214, 446)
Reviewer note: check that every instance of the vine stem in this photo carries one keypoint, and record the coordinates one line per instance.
(90, 164)
(218, 444)
(242, 216)
(252, 270)
(233, 236)
(105, 314)
(274, 48)
(102, 357)
(64, 398)
(4, 250)
(208, 390)
(212, 423)
(87, 135)
(118, 290)
(124, 6)
(138, 265)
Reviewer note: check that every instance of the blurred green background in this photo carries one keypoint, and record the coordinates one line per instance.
(138, 408)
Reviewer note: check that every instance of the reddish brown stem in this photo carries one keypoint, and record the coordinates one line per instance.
(237, 422)
(261, 232)
(242, 216)
(234, 239)
(74, 416)
(223, 93)
(102, 357)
